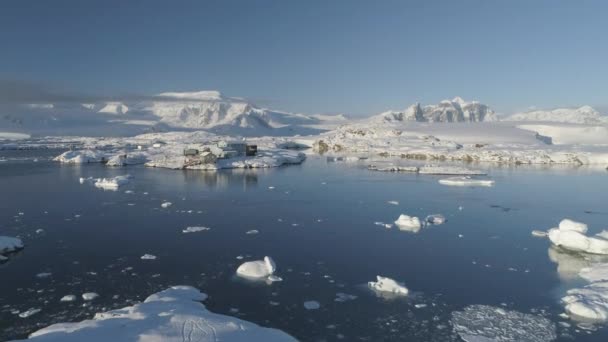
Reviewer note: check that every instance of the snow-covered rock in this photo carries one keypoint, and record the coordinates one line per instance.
(483, 323)
(259, 269)
(408, 223)
(175, 314)
(466, 181)
(388, 285)
(571, 235)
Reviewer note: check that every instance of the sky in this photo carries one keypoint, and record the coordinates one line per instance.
(338, 56)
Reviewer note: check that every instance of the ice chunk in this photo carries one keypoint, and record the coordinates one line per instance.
(466, 181)
(10, 244)
(483, 323)
(588, 303)
(175, 314)
(252, 232)
(195, 229)
(597, 272)
(571, 235)
(435, 219)
(68, 298)
(393, 202)
(273, 278)
(388, 285)
(89, 296)
(166, 204)
(344, 297)
(112, 183)
(29, 313)
(148, 257)
(408, 223)
(257, 269)
(567, 224)
(539, 233)
(43, 275)
(312, 305)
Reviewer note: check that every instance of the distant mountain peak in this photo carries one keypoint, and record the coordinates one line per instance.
(455, 110)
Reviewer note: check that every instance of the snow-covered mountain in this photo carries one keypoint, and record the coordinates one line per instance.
(203, 110)
(455, 110)
(581, 115)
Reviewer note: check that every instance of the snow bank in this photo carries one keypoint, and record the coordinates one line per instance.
(571, 235)
(408, 223)
(259, 269)
(466, 181)
(175, 314)
(483, 323)
(112, 183)
(388, 285)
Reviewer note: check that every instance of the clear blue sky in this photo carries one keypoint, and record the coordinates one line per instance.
(357, 57)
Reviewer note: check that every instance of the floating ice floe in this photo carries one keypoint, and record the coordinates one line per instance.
(43, 275)
(435, 219)
(539, 233)
(408, 223)
(8, 245)
(466, 181)
(257, 270)
(68, 298)
(388, 285)
(312, 305)
(571, 235)
(195, 229)
(89, 296)
(393, 202)
(483, 323)
(148, 257)
(382, 224)
(252, 232)
(112, 183)
(589, 304)
(166, 204)
(175, 314)
(30, 312)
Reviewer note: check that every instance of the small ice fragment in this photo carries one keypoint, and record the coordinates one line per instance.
(270, 187)
(435, 219)
(312, 305)
(408, 223)
(44, 275)
(195, 229)
(393, 202)
(166, 204)
(68, 298)
(274, 278)
(420, 306)
(39, 231)
(344, 297)
(460, 236)
(148, 257)
(29, 313)
(89, 296)
(539, 233)
(389, 285)
(252, 232)
(465, 181)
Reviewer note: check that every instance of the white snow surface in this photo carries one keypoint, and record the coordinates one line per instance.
(388, 285)
(483, 323)
(172, 315)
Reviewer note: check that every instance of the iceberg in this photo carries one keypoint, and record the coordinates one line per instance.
(175, 314)
(112, 183)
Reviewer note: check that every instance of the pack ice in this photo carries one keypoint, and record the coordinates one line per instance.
(571, 235)
(175, 314)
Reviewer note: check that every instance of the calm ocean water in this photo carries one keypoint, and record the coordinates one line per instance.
(316, 220)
